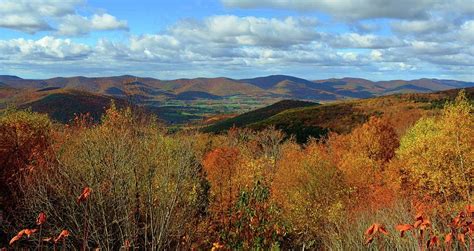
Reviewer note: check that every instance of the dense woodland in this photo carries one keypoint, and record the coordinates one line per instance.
(127, 183)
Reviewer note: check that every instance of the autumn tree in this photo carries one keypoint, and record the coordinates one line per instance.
(436, 155)
(310, 190)
(254, 222)
(25, 141)
(363, 156)
(223, 171)
(239, 174)
(145, 184)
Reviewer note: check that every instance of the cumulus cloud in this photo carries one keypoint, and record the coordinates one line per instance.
(247, 31)
(368, 41)
(79, 25)
(346, 9)
(46, 48)
(376, 55)
(467, 31)
(228, 44)
(33, 16)
(107, 22)
(421, 26)
(433, 48)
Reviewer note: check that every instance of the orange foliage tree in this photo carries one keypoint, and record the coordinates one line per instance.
(25, 140)
(223, 171)
(363, 156)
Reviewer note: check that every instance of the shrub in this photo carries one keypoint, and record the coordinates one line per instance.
(363, 156)
(310, 191)
(145, 185)
(437, 154)
(25, 146)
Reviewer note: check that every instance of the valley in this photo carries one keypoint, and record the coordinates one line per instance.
(194, 101)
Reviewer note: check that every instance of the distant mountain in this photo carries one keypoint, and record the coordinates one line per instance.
(363, 88)
(215, 86)
(270, 82)
(185, 100)
(274, 86)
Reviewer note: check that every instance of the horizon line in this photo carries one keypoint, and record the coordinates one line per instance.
(238, 79)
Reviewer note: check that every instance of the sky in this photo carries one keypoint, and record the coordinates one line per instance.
(313, 39)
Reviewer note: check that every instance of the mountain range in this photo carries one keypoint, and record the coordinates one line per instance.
(276, 86)
(183, 100)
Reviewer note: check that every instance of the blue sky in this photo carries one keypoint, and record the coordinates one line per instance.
(374, 39)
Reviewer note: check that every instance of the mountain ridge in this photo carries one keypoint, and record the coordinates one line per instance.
(184, 100)
(276, 86)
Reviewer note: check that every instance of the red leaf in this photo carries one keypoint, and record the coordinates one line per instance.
(419, 217)
(371, 229)
(62, 235)
(20, 234)
(41, 219)
(383, 230)
(417, 223)
(403, 228)
(448, 238)
(433, 241)
(86, 192)
(29, 232)
(14, 239)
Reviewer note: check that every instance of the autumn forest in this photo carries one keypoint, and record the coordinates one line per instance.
(127, 183)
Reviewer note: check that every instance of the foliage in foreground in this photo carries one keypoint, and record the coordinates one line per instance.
(142, 187)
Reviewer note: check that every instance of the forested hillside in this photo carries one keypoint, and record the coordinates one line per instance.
(127, 182)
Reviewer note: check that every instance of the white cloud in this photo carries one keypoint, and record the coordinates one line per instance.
(228, 45)
(78, 25)
(421, 26)
(376, 55)
(46, 48)
(28, 24)
(33, 16)
(346, 9)
(370, 41)
(433, 48)
(467, 31)
(74, 25)
(107, 22)
(247, 31)
(404, 66)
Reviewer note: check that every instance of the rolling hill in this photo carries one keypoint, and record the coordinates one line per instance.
(317, 120)
(63, 106)
(186, 100)
(275, 86)
(257, 115)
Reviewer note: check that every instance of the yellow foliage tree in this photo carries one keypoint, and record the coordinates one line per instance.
(437, 154)
(309, 189)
